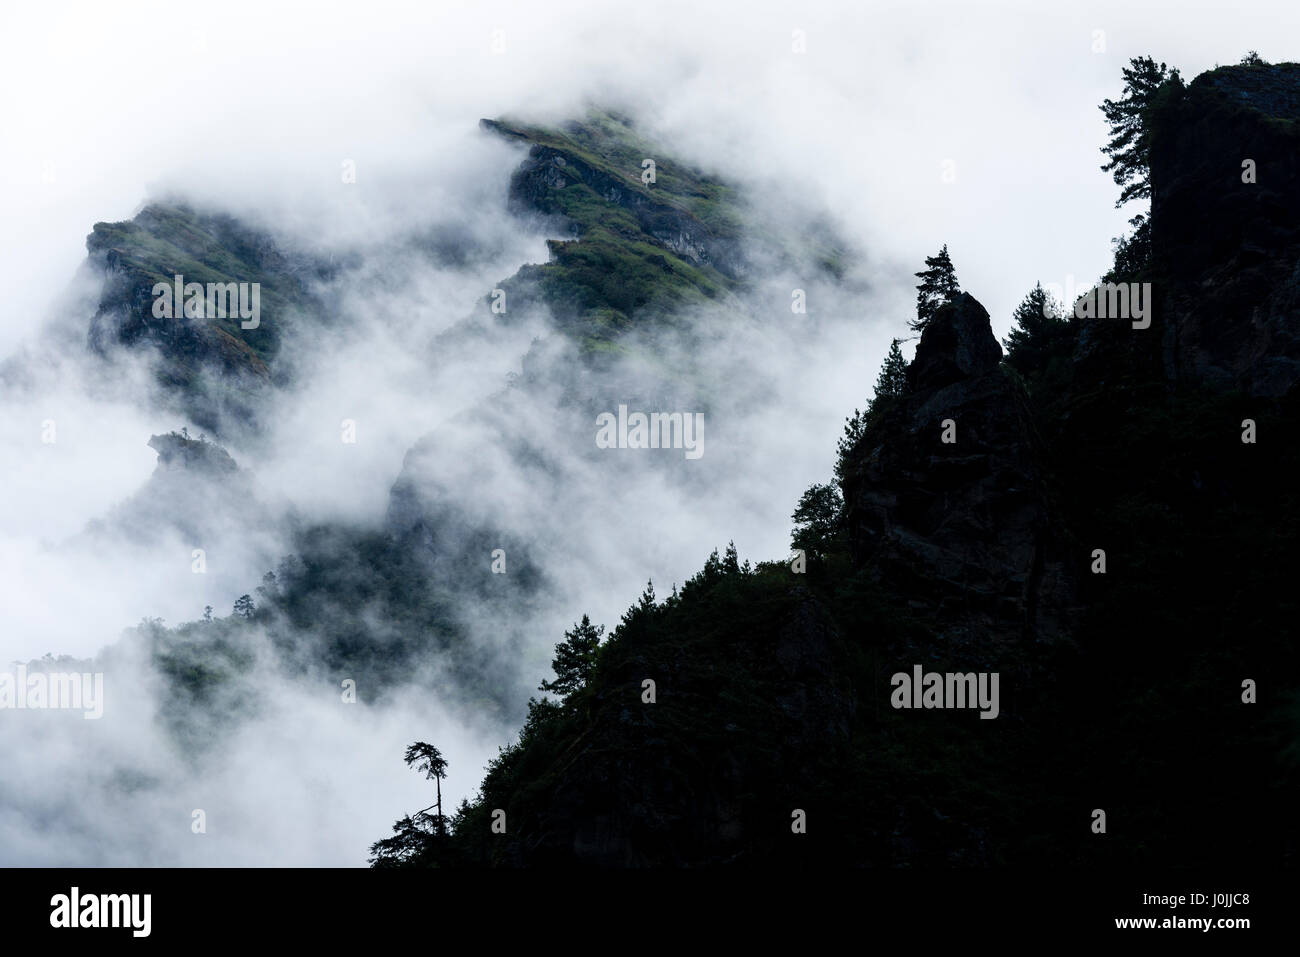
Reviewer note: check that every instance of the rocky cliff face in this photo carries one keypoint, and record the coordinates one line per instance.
(211, 366)
(965, 529)
(633, 253)
(1227, 251)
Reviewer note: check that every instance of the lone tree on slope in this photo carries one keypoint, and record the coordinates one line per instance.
(425, 757)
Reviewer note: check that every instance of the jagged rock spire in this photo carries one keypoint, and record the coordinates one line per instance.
(956, 344)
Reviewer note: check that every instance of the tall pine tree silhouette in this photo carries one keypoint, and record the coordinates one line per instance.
(938, 285)
(1129, 149)
(1038, 319)
(425, 757)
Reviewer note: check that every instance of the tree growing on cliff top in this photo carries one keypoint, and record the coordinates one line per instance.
(575, 658)
(416, 838)
(425, 757)
(938, 285)
(1129, 149)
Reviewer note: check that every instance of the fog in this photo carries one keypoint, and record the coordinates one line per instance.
(910, 125)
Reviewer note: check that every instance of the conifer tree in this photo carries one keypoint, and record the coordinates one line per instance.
(575, 657)
(816, 520)
(1036, 319)
(408, 847)
(854, 426)
(892, 380)
(731, 563)
(244, 606)
(1129, 149)
(1132, 252)
(425, 757)
(938, 285)
(891, 383)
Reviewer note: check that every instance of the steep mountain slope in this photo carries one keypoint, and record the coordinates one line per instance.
(1225, 201)
(377, 604)
(1122, 684)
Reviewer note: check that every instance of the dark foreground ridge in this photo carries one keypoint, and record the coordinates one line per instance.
(711, 723)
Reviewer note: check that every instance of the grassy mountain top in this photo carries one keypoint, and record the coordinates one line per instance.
(608, 143)
(165, 240)
(641, 252)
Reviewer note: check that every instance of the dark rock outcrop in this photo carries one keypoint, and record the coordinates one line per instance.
(1226, 251)
(177, 451)
(960, 346)
(964, 529)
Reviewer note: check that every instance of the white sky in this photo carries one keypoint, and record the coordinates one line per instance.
(266, 99)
